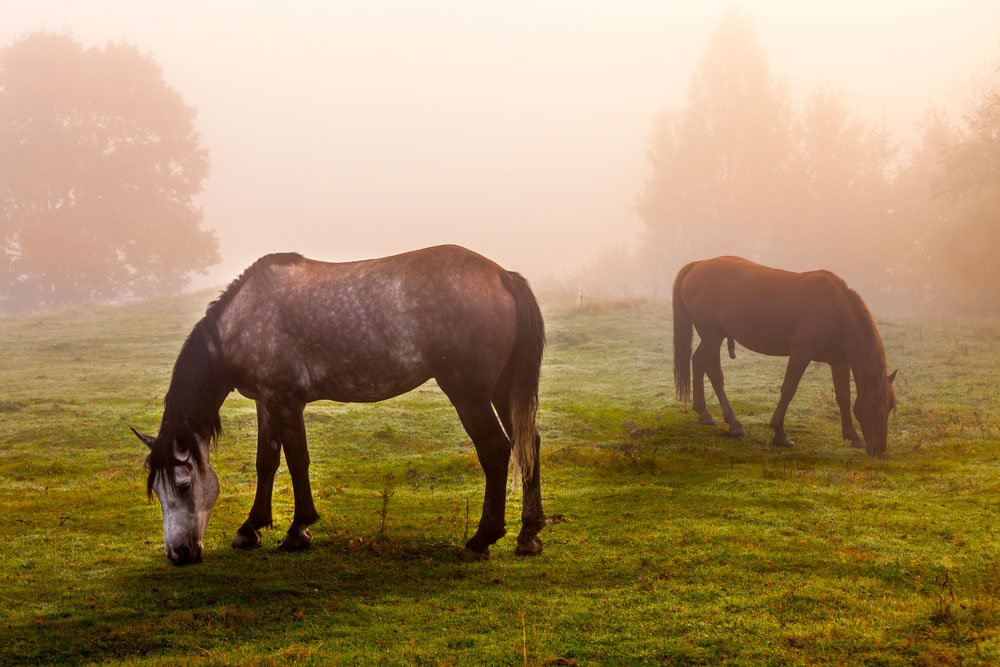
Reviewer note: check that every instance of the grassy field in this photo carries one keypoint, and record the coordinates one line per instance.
(669, 542)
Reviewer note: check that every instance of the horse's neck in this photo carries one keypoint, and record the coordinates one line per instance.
(199, 384)
(866, 356)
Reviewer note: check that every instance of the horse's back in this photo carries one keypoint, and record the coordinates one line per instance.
(766, 309)
(371, 329)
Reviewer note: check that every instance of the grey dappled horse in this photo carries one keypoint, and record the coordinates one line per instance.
(292, 330)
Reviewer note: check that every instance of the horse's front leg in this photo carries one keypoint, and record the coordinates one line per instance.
(268, 459)
(290, 424)
(797, 364)
(842, 389)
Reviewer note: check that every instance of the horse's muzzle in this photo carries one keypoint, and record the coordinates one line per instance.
(185, 555)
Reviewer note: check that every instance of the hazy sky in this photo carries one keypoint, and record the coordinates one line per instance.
(346, 130)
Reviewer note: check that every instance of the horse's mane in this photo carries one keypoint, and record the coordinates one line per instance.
(188, 408)
(872, 362)
(199, 377)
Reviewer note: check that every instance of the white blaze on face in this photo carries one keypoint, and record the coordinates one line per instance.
(186, 500)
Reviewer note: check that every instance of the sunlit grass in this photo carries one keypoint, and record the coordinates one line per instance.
(670, 541)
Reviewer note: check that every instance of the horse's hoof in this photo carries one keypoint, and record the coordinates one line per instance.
(470, 556)
(857, 443)
(782, 442)
(528, 546)
(244, 541)
(296, 540)
(737, 431)
(707, 421)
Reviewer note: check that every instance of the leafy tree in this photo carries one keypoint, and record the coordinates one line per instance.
(738, 171)
(100, 165)
(948, 194)
(926, 218)
(971, 180)
(720, 166)
(846, 222)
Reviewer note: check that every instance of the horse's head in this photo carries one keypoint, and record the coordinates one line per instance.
(875, 401)
(182, 477)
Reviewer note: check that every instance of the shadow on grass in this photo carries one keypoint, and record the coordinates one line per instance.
(155, 609)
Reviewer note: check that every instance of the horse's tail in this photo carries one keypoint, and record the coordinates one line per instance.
(683, 335)
(523, 370)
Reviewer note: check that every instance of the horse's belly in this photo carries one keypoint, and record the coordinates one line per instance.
(365, 390)
(362, 380)
(375, 379)
(768, 347)
(773, 340)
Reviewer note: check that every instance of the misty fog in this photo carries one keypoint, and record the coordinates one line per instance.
(520, 130)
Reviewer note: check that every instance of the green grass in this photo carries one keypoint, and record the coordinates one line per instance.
(672, 543)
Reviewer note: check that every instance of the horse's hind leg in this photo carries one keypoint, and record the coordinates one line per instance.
(493, 450)
(713, 366)
(842, 389)
(532, 515)
(797, 364)
(698, 403)
(268, 459)
(289, 422)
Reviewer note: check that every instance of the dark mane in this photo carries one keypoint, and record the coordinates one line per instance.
(200, 382)
(872, 363)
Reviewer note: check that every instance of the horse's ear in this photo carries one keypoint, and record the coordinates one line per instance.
(148, 439)
(893, 376)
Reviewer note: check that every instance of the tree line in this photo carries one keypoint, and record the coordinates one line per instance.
(740, 170)
(101, 166)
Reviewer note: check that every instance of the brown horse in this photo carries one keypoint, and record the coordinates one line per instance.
(810, 316)
(292, 330)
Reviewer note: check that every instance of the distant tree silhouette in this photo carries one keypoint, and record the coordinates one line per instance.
(99, 167)
(971, 180)
(739, 171)
(846, 218)
(948, 195)
(721, 165)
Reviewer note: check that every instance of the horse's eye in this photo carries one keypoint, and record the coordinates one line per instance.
(183, 488)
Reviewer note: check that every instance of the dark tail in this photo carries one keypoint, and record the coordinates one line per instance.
(683, 335)
(523, 370)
